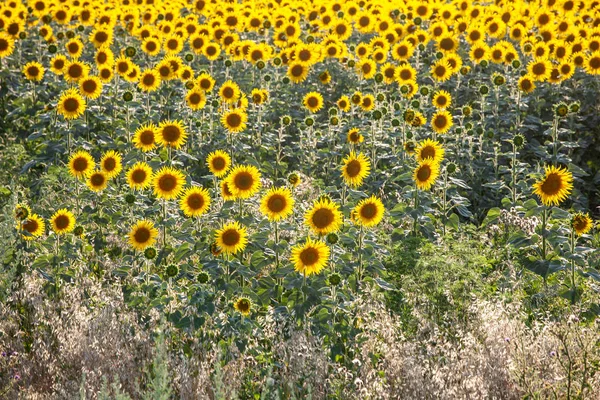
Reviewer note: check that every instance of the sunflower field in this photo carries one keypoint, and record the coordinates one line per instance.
(281, 199)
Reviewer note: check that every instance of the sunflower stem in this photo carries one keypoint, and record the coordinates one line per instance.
(573, 287)
(164, 222)
(360, 256)
(544, 221)
(276, 247)
(416, 206)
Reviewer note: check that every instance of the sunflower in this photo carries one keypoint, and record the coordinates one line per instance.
(165, 70)
(195, 201)
(34, 71)
(540, 69)
(145, 137)
(592, 63)
(205, 82)
(311, 257)
(232, 237)
(368, 212)
(582, 223)
(324, 217)
(325, 77)
(355, 169)
(441, 121)
(142, 235)
(151, 46)
(479, 52)
(234, 120)
(226, 192)
(211, 51)
(171, 134)
(556, 185)
(230, 92)
(442, 100)
(58, 63)
(32, 227)
(81, 164)
(168, 183)
(74, 47)
(105, 74)
(70, 104)
(139, 176)
(426, 173)
(7, 45)
(123, 65)
(366, 68)
(298, 71)
(388, 71)
(344, 103)
(149, 80)
(526, 83)
(405, 73)
(63, 221)
(313, 101)
(218, 163)
(277, 204)
(173, 44)
(441, 70)
(354, 136)
(111, 164)
(429, 150)
(243, 305)
(101, 36)
(90, 87)
(22, 211)
(244, 181)
(367, 102)
(97, 181)
(403, 50)
(195, 99)
(76, 70)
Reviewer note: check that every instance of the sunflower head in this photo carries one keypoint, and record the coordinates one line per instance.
(22, 211)
(355, 169)
(555, 186)
(142, 235)
(195, 201)
(111, 164)
(243, 305)
(97, 181)
(244, 181)
(426, 173)
(31, 227)
(277, 204)
(313, 101)
(232, 237)
(582, 223)
(324, 217)
(168, 183)
(429, 149)
(369, 212)
(63, 221)
(311, 257)
(171, 134)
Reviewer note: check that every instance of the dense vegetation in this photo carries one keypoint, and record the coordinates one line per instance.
(294, 199)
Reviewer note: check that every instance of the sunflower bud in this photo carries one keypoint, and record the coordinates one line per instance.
(484, 89)
(561, 109)
(415, 104)
(260, 64)
(395, 122)
(309, 121)
(128, 96)
(519, 140)
(293, 179)
(332, 238)
(334, 279)
(150, 253)
(130, 51)
(172, 271)
(574, 107)
(424, 90)
(203, 277)
(286, 120)
(130, 198)
(451, 168)
(52, 49)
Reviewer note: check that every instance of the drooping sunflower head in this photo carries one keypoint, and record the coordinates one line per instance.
(582, 223)
(97, 181)
(310, 257)
(441, 121)
(111, 164)
(556, 185)
(139, 176)
(426, 173)
(234, 120)
(226, 193)
(232, 237)
(313, 101)
(368, 212)
(21, 211)
(171, 134)
(168, 183)
(277, 204)
(70, 104)
(81, 164)
(324, 217)
(145, 137)
(243, 305)
(429, 149)
(355, 169)
(244, 181)
(63, 221)
(31, 227)
(142, 235)
(195, 201)
(218, 163)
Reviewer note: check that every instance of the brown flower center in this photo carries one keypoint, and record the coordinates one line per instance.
(368, 211)
(309, 256)
(353, 168)
(80, 164)
(230, 237)
(139, 176)
(142, 235)
(424, 173)
(322, 218)
(195, 201)
(552, 184)
(61, 222)
(167, 183)
(71, 104)
(276, 203)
